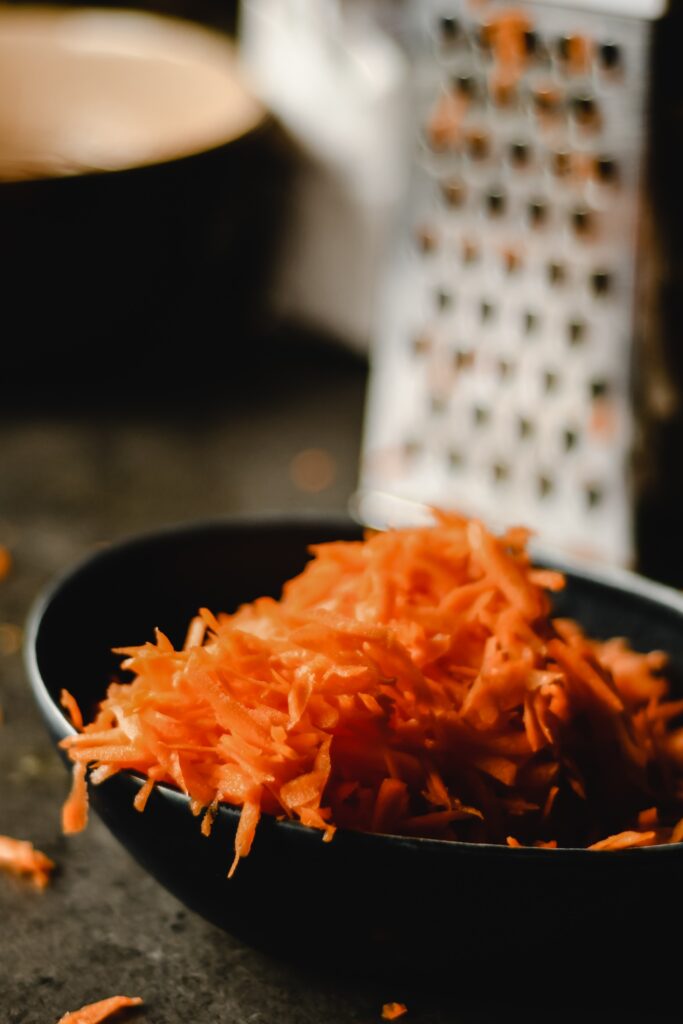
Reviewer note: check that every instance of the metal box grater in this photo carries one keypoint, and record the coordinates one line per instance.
(516, 375)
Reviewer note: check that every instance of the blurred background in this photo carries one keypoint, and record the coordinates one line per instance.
(214, 225)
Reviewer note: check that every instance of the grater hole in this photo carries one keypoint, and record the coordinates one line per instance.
(422, 345)
(438, 405)
(480, 415)
(454, 192)
(525, 428)
(594, 495)
(561, 163)
(463, 359)
(483, 36)
(465, 85)
(503, 93)
(563, 47)
(577, 331)
(606, 170)
(599, 388)
(530, 322)
(545, 485)
(557, 273)
(582, 220)
(495, 202)
(412, 448)
(470, 252)
(512, 260)
(478, 143)
(449, 30)
(551, 381)
(506, 369)
(570, 439)
(426, 239)
(610, 55)
(601, 282)
(500, 472)
(519, 153)
(456, 459)
(584, 109)
(538, 212)
(486, 311)
(547, 98)
(444, 299)
(575, 52)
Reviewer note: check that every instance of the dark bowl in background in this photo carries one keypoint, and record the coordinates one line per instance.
(127, 240)
(364, 902)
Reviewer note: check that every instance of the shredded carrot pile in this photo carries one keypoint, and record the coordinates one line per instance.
(93, 1013)
(412, 683)
(22, 858)
(392, 1011)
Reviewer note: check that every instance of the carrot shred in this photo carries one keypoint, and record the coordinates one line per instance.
(93, 1013)
(143, 795)
(21, 857)
(5, 562)
(625, 841)
(392, 1011)
(75, 809)
(69, 703)
(410, 683)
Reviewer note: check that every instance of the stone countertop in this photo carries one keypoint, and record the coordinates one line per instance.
(74, 476)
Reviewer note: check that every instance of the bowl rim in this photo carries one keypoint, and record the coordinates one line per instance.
(58, 723)
(124, 18)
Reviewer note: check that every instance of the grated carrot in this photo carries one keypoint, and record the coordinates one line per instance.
(5, 562)
(93, 1013)
(22, 858)
(68, 702)
(392, 1011)
(411, 683)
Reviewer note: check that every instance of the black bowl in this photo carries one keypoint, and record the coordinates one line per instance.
(368, 901)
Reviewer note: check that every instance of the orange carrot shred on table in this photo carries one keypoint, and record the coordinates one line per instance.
(5, 562)
(412, 683)
(93, 1013)
(75, 810)
(392, 1011)
(21, 857)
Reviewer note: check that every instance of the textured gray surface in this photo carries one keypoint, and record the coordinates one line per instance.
(68, 483)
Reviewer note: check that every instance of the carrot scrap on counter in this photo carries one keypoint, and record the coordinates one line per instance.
(392, 1011)
(5, 562)
(413, 683)
(22, 858)
(93, 1013)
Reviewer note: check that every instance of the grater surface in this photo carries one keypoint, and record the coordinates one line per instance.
(503, 375)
